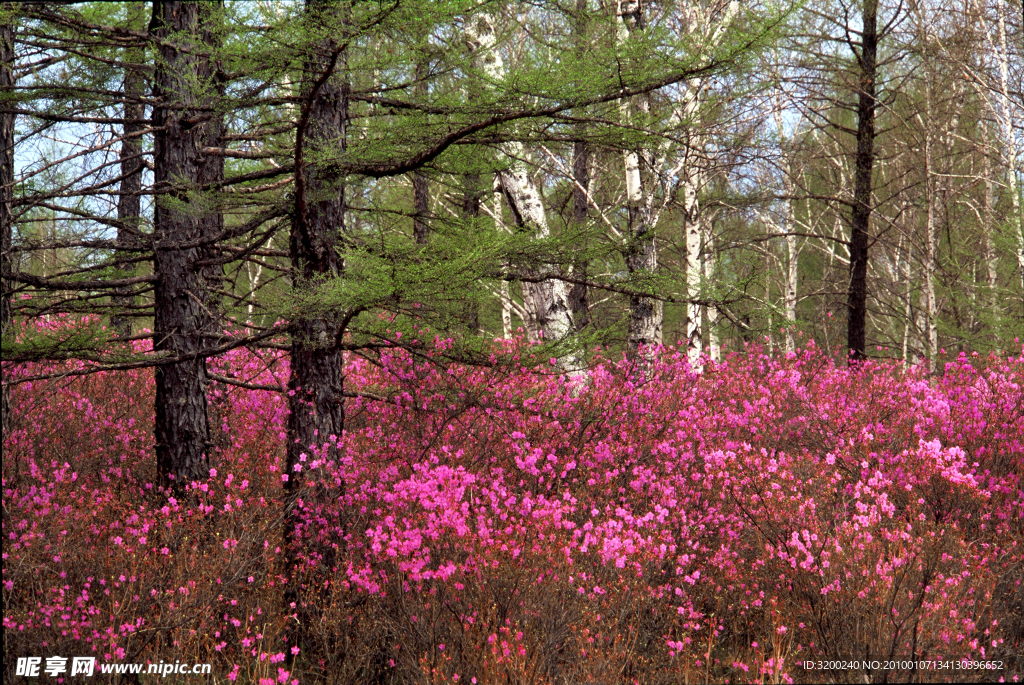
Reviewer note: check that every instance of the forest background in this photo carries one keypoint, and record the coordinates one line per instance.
(249, 232)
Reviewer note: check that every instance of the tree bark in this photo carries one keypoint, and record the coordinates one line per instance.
(317, 364)
(645, 313)
(988, 224)
(860, 219)
(693, 222)
(472, 198)
(421, 207)
(547, 299)
(578, 302)
(931, 308)
(420, 186)
(6, 194)
(181, 314)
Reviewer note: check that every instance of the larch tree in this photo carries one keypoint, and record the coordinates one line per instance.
(865, 51)
(317, 233)
(183, 232)
(7, 58)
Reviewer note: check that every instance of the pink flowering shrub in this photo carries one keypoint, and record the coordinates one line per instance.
(498, 525)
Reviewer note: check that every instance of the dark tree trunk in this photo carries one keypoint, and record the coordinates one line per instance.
(129, 212)
(860, 220)
(581, 178)
(317, 378)
(472, 197)
(420, 187)
(6, 194)
(421, 205)
(182, 317)
(578, 303)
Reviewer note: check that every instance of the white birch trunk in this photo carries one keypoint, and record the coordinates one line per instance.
(254, 283)
(931, 249)
(547, 300)
(692, 179)
(694, 232)
(792, 277)
(988, 219)
(792, 249)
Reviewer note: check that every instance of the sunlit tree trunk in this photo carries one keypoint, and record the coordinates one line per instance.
(254, 284)
(545, 295)
(694, 227)
(908, 305)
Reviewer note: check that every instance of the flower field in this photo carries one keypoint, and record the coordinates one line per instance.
(496, 525)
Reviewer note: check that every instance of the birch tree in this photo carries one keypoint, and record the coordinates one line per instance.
(545, 295)
(706, 25)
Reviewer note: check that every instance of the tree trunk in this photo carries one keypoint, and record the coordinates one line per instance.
(505, 294)
(472, 197)
(908, 304)
(792, 250)
(578, 303)
(693, 222)
(420, 186)
(860, 219)
(792, 278)
(544, 294)
(317, 364)
(988, 221)
(421, 207)
(547, 297)
(181, 314)
(6, 195)
(930, 249)
(129, 201)
(645, 313)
